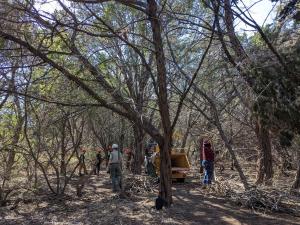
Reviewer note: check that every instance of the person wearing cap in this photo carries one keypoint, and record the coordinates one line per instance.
(208, 158)
(115, 160)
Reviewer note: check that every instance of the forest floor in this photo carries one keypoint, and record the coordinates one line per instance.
(99, 205)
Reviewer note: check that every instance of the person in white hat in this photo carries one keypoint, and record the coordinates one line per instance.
(115, 160)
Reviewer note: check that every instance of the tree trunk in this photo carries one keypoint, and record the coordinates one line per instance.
(165, 187)
(138, 150)
(264, 161)
(63, 148)
(186, 134)
(122, 136)
(12, 153)
(296, 183)
(165, 191)
(228, 146)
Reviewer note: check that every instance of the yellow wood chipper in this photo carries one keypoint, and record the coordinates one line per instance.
(180, 165)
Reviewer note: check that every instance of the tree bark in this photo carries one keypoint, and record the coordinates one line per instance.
(122, 136)
(264, 161)
(296, 183)
(15, 139)
(265, 170)
(165, 187)
(138, 150)
(186, 134)
(63, 148)
(165, 191)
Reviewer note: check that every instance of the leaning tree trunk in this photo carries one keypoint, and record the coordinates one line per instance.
(265, 170)
(138, 150)
(228, 146)
(233, 156)
(264, 161)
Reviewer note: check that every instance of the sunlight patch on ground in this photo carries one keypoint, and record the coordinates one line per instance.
(231, 220)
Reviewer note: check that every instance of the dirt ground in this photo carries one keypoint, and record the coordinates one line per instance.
(98, 205)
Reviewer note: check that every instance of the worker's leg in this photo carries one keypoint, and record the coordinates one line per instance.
(205, 177)
(80, 168)
(98, 168)
(84, 168)
(210, 171)
(201, 167)
(151, 170)
(119, 177)
(146, 166)
(113, 174)
(95, 170)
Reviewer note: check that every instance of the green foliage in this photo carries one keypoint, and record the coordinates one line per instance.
(286, 138)
(278, 90)
(256, 40)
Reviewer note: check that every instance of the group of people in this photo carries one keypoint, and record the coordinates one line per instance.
(114, 165)
(82, 164)
(207, 158)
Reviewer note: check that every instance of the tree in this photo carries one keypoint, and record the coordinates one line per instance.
(78, 34)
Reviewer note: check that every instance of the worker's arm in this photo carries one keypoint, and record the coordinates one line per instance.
(110, 159)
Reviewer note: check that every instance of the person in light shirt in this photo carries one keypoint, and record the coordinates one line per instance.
(115, 168)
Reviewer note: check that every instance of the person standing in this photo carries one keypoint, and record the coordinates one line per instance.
(82, 165)
(115, 161)
(107, 152)
(208, 162)
(201, 145)
(129, 155)
(98, 162)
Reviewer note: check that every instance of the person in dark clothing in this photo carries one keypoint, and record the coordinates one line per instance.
(107, 154)
(82, 165)
(208, 158)
(98, 162)
(150, 158)
(201, 154)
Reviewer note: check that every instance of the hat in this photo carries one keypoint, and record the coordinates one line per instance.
(115, 146)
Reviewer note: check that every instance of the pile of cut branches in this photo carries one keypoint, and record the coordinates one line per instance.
(261, 200)
(221, 188)
(139, 184)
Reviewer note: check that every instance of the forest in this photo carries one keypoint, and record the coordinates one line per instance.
(83, 82)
